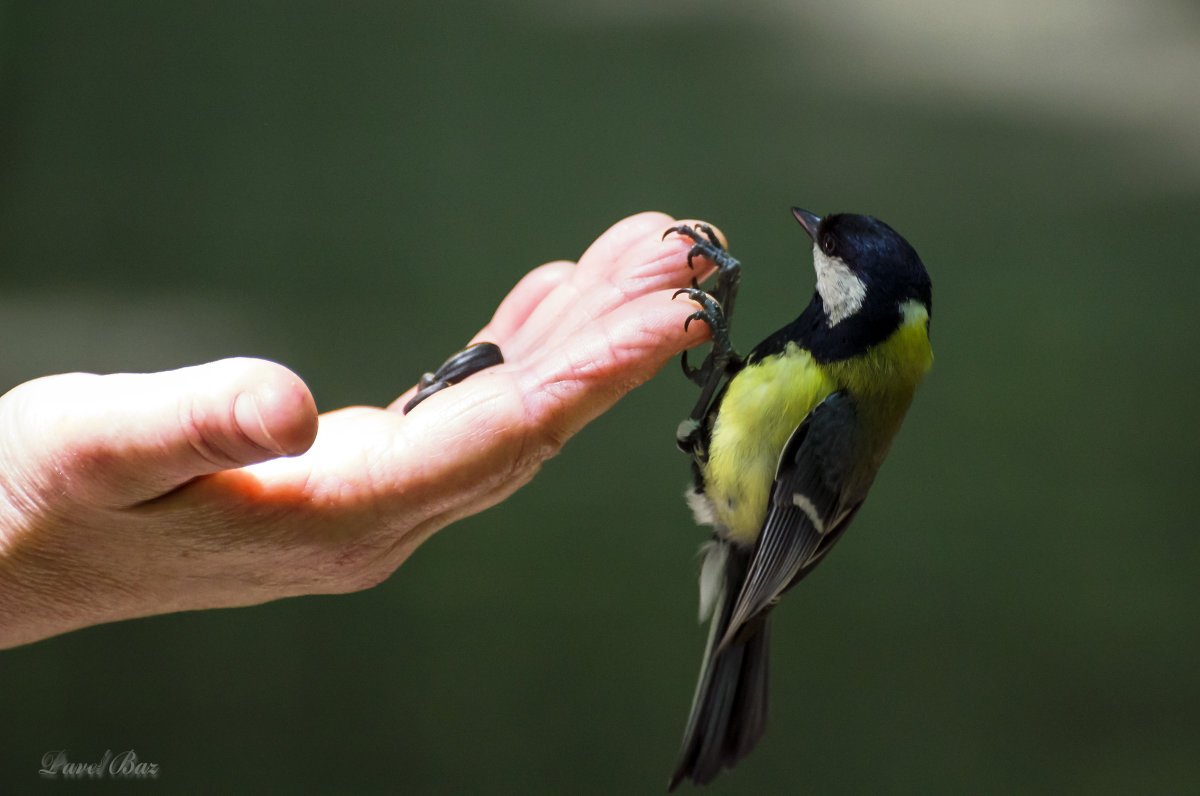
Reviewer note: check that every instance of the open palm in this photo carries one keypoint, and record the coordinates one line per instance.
(218, 485)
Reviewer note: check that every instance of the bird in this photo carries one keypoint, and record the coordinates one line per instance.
(784, 445)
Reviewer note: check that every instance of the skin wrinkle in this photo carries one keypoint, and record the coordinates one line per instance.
(374, 569)
(585, 307)
(18, 502)
(530, 449)
(564, 380)
(613, 352)
(301, 559)
(539, 439)
(502, 480)
(428, 470)
(529, 293)
(523, 467)
(197, 439)
(565, 299)
(444, 490)
(654, 277)
(339, 561)
(52, 575)
(634, 284)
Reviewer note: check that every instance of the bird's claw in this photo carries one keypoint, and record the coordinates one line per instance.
(707, 244)
(722, 353)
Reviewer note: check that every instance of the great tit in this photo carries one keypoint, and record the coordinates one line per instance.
(784, 445)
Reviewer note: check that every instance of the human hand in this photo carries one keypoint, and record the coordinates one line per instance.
(213, 486)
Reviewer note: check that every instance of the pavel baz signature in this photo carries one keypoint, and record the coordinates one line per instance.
(124, 765)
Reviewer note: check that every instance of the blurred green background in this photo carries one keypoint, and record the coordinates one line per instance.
(349, 188)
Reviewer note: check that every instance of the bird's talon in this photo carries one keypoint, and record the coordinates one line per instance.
(711, 234)
(680, 229)
(688, 370)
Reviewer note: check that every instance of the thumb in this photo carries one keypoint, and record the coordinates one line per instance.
(130, 437)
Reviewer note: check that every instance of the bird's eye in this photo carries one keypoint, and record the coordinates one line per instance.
(827, 244)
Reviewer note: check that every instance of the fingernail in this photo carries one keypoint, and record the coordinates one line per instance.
(248, 414)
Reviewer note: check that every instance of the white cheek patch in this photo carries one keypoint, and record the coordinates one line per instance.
(841, 289)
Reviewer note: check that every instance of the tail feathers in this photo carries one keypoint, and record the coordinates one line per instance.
(729, 713)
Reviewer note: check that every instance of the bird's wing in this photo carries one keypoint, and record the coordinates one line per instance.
(808, 510)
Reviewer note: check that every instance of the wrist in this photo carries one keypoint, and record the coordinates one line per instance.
(48, 582)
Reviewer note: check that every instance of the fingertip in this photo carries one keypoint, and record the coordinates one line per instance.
(639, 224)
(278, 413)
(627, 232)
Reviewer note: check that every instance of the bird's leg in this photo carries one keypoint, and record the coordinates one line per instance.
(717, 309)
(720, 360)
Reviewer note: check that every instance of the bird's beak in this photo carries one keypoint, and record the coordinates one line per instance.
(808, 221)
